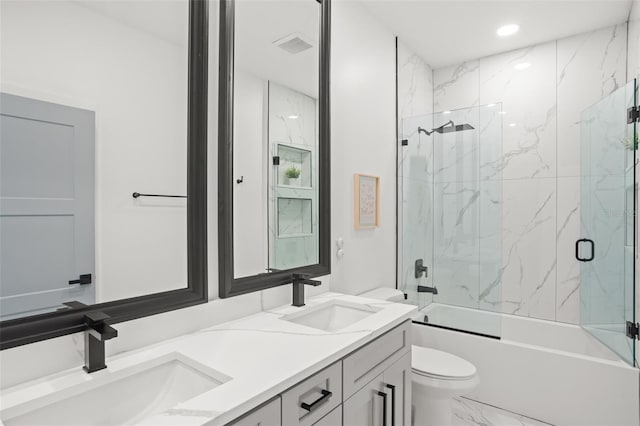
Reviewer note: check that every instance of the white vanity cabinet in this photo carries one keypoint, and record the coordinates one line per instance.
(269, 414)
(385, 400)
(369, 387)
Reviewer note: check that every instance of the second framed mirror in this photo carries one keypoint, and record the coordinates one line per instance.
(274, 148)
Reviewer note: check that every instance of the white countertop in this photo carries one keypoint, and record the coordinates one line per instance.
(262, 355)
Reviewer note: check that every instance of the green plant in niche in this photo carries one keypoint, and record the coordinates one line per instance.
(630, 144)
(292, 172)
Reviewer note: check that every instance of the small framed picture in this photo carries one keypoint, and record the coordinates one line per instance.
(367, 201)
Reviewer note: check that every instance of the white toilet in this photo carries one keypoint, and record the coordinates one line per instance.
(437, 377)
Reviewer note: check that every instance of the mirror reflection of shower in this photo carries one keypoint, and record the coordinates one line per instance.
(451, 176)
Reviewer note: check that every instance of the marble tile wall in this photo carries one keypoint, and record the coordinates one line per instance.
(542, 89)
(415, 99)
(292, 207)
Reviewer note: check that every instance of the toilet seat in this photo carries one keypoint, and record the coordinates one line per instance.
(440, 365)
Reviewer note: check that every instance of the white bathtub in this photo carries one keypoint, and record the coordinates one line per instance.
(550, 371)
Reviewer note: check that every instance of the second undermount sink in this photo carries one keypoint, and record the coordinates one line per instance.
(332, 316)
(123, 397)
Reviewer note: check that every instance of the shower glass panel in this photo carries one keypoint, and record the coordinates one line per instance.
(607, 212)
(451, 178)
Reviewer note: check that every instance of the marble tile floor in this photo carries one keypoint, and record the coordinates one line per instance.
(467, 412)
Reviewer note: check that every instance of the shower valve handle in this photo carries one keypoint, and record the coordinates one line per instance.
(420, 269)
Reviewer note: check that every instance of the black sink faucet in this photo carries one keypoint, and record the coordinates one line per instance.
(98, 331)
(299, 281)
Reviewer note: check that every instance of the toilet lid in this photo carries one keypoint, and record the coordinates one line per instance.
(439, 364)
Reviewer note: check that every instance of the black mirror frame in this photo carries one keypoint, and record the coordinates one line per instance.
(229, 285)
(22, 331)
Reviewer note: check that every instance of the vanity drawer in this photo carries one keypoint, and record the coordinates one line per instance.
(309, 401)
(268, 414)
(372, 359)
(334, 418)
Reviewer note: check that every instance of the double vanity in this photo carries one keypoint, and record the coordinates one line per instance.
(326, 363)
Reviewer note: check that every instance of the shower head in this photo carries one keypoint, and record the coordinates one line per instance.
(448, 127)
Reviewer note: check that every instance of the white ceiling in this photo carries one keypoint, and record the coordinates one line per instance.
(447, 32)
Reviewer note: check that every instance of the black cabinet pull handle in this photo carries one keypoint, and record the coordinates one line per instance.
(310, 407)
(593, 250)
(384, 407)
(84, 279)
(393, 403)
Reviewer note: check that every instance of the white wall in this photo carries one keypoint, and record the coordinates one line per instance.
(362, 141)
(249, 227)
(66, 53)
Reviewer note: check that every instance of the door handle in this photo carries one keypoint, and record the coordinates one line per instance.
(384, 407)
(84, 279)
(393, 403)
(593, 250)
(310, 407)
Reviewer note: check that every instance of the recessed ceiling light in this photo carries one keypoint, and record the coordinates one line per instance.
(508, 30)
(502, 112)
(491, 105)
(293, 117)
(512, 125)
(522, 66)
(446, 112)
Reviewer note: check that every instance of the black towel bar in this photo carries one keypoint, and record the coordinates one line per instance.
(137, 194)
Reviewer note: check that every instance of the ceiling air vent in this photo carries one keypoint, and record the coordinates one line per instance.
(293, 43)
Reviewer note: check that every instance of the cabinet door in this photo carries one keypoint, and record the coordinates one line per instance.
(334, 418)
(267, 415)
(367, 406)
(397, 382)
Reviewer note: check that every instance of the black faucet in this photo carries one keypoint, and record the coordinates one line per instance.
(299, 281)
(425, 289)
(98, 331)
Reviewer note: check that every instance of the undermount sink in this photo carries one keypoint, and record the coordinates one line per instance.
(332, 316)
(123, 397)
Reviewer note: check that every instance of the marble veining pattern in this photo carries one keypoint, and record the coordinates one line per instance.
(308, 350)
(467, 412)
(529, 248)
(415, 188)
(528, 99)
(456, 87)
(590, 67)
(568, 231)
(538, 165)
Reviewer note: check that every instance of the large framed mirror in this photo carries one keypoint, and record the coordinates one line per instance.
(103, 162)
(274, 143)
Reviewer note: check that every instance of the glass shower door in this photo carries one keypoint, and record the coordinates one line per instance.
(450, 173)
(606, 250)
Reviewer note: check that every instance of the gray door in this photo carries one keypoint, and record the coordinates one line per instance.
(46, 205)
